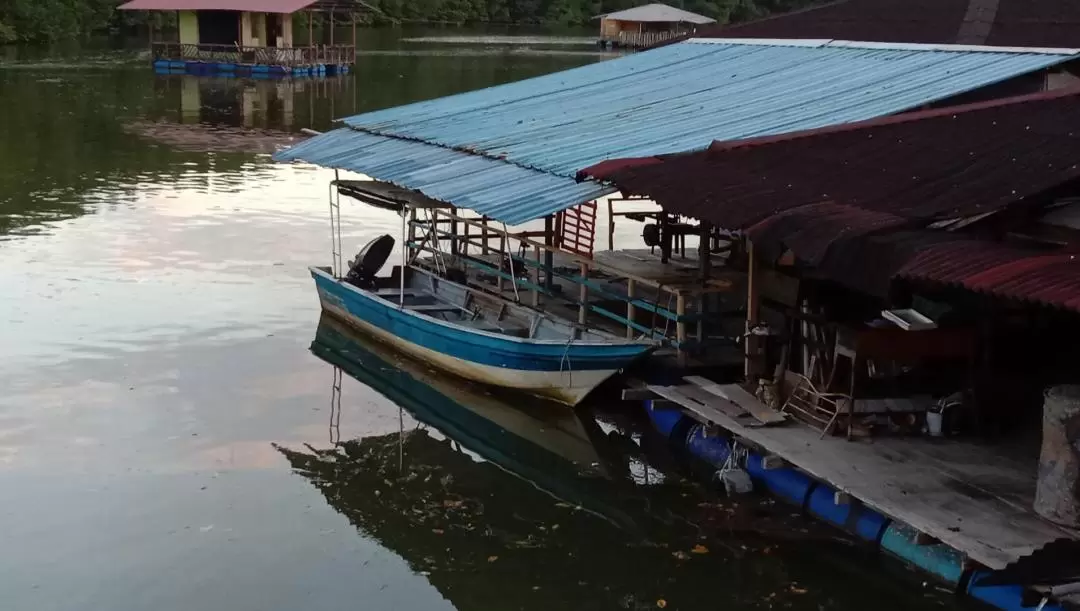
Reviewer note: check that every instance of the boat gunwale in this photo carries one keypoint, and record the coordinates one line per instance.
(571, 342)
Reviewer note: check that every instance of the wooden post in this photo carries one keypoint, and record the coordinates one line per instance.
(453, 231)
(311, 36)
(704, 269)
(753, 305)
(630, 309)
(467, 236)
(484, 235)
(536, 277)
(680, 327)
(354, 39)
(665, 237)
(583, 294)
(549, 257)
(610, 225)
(412, 234)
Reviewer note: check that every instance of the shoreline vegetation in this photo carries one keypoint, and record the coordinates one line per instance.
(45, 21)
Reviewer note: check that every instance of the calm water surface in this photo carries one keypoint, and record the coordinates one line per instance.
(169, 441)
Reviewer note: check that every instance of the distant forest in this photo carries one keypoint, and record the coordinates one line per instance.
(52, 20)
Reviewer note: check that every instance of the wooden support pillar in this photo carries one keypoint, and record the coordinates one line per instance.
(453, 231)
(310, 35)
(753, 309)
(631, 311)
(680, 327)
(354, 39)
(536, 277)
(610, 225)
(331, 28)
(484, 235)
(583, 294)
(549, 257)
(412, 235)
(704, 272)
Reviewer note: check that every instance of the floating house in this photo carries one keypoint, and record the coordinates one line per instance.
(937, 241)
(647, 25)
(797, 266)
(252, 37)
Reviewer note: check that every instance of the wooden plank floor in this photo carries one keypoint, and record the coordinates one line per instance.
(971, 497)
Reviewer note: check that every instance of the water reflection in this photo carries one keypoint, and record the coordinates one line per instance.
(515, 507)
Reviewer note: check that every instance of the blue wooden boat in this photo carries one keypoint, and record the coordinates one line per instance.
(472, 334)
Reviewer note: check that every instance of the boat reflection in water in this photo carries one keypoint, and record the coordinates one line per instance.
(541, 520)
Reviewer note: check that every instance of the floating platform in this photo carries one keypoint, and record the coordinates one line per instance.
(163, 66)
(956, 509)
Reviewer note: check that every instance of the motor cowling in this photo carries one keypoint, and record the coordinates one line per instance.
(367, 263)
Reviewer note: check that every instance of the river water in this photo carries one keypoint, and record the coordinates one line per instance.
(170, 440)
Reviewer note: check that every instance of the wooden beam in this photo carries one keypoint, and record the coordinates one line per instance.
(753, 309)
(631, 311)
(583, 295)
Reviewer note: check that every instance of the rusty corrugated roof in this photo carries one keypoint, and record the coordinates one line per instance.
(928, 165)
(1019, 23)
(1048, 278)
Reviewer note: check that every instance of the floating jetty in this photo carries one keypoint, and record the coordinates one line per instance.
(245, 38)
(895, 357)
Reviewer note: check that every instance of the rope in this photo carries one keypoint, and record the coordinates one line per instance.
(565, 363)
(736, 459)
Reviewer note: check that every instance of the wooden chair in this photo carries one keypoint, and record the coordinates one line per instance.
(813, 407)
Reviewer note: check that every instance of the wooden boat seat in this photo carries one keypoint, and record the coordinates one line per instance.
(490, 327)
(433, 308)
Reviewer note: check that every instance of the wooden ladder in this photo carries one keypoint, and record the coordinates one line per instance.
(577, 229)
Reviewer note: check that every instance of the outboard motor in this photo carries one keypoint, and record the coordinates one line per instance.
(369, 261)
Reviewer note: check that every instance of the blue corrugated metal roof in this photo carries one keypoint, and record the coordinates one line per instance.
(676, 98)
(503, 191)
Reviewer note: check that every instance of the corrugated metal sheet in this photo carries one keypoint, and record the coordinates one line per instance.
(928, 165)
(1046, 278)
(1017, 23)
(658, 13)
(262, 6)
(810, 230)
(501, 190)
(684, 96)
(677, 98)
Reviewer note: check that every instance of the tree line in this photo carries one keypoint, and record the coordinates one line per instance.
(52, 20)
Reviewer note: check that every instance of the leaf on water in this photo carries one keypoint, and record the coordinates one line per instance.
(797, 590)
(700, 549)
(492, 558)
(437, 531)
(681, 555)
(661, 603)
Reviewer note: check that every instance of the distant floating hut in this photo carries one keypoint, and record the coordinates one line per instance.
(251, 36)
(647, 25)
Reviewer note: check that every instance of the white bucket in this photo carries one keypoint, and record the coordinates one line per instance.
(933, 423)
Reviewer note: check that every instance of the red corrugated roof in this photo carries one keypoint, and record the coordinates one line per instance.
(1002, 271)
(262, 6)
(1020, 23)
(929, 165)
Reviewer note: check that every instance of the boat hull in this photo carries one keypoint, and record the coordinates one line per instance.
(562, 371)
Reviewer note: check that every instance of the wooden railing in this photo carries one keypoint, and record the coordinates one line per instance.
(638, 40)
(532, 271)
(270, 56)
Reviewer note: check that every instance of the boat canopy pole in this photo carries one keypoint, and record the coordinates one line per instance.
(404, 252)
